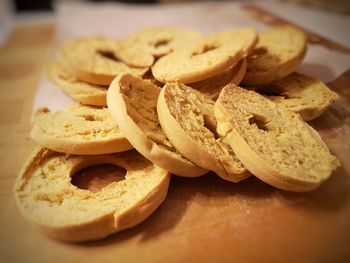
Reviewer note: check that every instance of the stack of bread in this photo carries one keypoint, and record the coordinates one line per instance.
(166, 101)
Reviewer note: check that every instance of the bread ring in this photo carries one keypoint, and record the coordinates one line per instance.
(280, 51)
(132, 102)
(80, 91)
(187, 118)
(46, 197)
(300, 93)
(198, 62)
(248, 37)
(78, 129)
(95, 60)
(272, 142)
(157, 41)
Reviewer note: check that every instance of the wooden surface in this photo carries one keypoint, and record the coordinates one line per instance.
(202, 220)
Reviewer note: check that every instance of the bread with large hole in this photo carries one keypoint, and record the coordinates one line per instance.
(132, 103)
(273, 143)
(197, 62)
(48, 199)
(187, 117)
(157, 42)
(95, 60)
(278, 53)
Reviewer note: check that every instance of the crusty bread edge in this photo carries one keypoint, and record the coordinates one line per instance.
(182, 141)
(139, 140)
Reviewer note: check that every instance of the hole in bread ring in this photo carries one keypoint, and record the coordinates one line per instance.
(206, 48)
(94, 178)
(47, 198)
(108, 54)
(160, 43)
(260, 122)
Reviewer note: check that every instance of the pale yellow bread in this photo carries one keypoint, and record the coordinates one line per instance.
(48, 199)
(95, 60)
(80, 91)
(187, 117)
(279, 52)
(300, 93)
(212, 86)
(78, 129)
(156, 42)
(273, 143)
(248, 37)
(132, 102)
(197, 62)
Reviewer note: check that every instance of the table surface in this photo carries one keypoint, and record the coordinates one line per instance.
(204, 219)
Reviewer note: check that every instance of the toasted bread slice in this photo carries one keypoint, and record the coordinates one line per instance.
(187, 117)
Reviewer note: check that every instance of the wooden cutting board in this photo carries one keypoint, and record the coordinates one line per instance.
(204, 219)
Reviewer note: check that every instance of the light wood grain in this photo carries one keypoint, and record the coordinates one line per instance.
(203, 219)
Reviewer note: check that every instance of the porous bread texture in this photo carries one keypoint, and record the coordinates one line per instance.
(80, 91)
(132, 103)
(212, 86)
(279, 52)
(157, 42)
(78, 129)
(248, 37)
(47, 198)
(273, 143)
(300, 93)
(187, 117)
(197, 62)
(95, 60)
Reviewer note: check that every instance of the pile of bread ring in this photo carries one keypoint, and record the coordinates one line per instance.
(168, 101)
